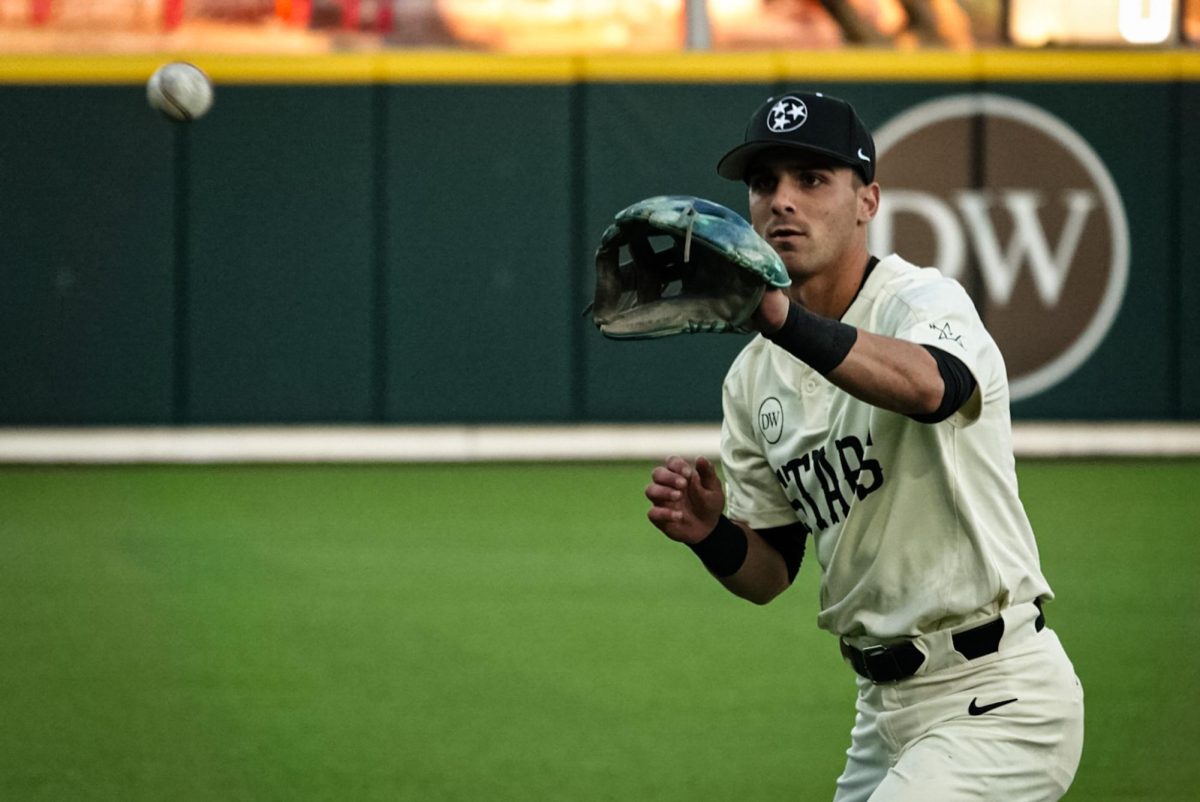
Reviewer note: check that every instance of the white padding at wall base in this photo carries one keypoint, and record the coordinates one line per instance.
(354, 443)
(266, 444)
(1066, 439)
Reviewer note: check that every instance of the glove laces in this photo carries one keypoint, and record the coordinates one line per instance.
(687, 238)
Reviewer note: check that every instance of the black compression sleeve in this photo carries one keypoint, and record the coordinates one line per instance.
(789, 541)
(817, 341)
(960, 384)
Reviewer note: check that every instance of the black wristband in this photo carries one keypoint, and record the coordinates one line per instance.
(724, 550)
(817, 341)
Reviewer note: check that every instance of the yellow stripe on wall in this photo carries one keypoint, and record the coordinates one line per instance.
(882, 65)
(1084, 65)
(681, 67)
(418, 66)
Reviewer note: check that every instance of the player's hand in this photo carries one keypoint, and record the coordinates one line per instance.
(686, 499)
(772, 311)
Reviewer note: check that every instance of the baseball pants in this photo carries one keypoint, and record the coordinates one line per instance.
(1006, 726)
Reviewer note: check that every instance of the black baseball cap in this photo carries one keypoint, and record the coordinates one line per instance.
(808, 121)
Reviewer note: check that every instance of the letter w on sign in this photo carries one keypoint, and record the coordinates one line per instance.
(1028, 242)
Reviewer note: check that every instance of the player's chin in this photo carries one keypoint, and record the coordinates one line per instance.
(798, 264)
(790, 249)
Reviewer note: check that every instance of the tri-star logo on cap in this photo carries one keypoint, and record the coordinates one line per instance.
(822, 125)
(787, 115)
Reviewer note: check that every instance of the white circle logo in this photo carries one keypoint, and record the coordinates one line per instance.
(788, 114)
(770, 419)
(1013, 203)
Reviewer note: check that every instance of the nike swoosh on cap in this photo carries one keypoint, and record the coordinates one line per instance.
(863, 156)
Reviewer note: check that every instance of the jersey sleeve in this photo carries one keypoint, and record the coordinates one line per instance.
(753, 494)
(940, 314)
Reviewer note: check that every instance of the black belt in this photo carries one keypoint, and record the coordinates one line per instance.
(901, 660)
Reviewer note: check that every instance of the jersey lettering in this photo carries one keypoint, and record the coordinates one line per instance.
(852, 447)
(859, 474)
(830, 485)
(791, 471)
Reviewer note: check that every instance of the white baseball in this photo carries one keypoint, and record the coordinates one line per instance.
(180, 90)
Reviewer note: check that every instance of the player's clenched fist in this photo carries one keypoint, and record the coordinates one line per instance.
(686, 500)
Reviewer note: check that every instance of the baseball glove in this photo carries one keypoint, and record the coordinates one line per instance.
(692, 266)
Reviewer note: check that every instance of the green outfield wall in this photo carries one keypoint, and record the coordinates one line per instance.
(407, 237)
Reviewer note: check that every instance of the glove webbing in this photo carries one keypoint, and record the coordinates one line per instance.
(667, 267)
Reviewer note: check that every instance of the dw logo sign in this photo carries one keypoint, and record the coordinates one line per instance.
(1017, 206)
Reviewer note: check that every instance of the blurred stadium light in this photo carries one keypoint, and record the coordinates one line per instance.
(1097, 22)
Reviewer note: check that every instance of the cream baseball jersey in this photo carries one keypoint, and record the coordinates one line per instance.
(918, 527)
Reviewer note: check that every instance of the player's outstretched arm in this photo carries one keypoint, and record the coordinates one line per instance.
(686, 505)
(886, 372)
(893, 374)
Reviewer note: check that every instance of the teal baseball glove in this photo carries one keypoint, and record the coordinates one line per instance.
(675, 264)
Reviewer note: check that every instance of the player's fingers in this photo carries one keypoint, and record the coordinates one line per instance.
(680, 466)
(772, 311)
(662, 494)
(664, 517)
(707, 474)
(663, 475)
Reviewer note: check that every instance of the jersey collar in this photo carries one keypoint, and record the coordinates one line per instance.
(871, 262)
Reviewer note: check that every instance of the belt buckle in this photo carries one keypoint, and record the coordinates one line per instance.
(880, 651)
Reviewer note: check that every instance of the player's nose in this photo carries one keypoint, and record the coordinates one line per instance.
(783, 202)
(784, 199)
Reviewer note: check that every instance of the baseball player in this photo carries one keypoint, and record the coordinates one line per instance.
(872, 414)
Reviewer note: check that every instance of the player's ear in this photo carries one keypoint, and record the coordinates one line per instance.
(868, 202)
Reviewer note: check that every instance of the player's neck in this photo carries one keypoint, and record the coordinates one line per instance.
(829, 293)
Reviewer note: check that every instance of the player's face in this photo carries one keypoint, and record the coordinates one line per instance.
(809, 210)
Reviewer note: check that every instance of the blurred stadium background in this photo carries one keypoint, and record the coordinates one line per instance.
(558, 25)
(315, 484)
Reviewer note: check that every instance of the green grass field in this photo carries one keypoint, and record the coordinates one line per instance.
(506, 632)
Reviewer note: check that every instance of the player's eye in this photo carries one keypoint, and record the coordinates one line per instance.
(761, 182)
(811, 178)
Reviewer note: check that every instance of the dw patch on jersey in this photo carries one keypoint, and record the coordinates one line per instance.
(770, 419)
